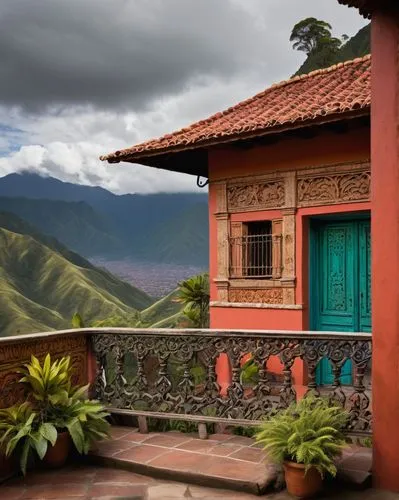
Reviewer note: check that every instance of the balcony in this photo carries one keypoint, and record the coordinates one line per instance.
(147, 376)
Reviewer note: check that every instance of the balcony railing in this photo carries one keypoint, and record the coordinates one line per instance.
(173, 373)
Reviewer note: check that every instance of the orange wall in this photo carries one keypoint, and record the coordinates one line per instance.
(289, 154)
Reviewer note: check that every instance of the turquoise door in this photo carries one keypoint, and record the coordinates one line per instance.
(341, 278)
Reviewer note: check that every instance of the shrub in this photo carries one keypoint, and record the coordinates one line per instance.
(309, 432)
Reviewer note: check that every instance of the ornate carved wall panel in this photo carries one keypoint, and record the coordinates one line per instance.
(259, 296)
(258, 195)
(13, 355)
(284, 191)
(324, 188)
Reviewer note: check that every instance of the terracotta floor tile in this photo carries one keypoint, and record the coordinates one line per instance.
(198, 445)
(162, 491)
(138, 437)
(223, 450)
(50, 492)
(249, 455)
(179, 460)
(202, 493)
(115, 476)
(168, 440)
(110, 448)
(120, 431)
(245, 441)
(232, 469)
(220, 437)
(117, 491)
(142, 453)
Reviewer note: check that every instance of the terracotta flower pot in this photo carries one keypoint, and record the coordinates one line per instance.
(57, 455)
(300, 484)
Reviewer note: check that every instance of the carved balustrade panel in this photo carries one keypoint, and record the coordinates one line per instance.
(175, 372)
(16, 351)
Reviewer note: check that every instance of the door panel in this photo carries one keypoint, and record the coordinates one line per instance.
(341, 290)
(337, 307)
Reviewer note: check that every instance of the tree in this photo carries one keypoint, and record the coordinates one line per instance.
(307, 34)
(314, 37)
(194, 294)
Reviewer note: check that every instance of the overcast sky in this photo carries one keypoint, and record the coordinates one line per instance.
(80, 78)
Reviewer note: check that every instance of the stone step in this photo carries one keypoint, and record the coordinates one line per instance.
(222, 461)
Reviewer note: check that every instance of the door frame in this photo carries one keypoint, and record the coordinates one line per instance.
(314, 258)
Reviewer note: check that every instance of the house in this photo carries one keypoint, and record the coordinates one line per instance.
(290, 172)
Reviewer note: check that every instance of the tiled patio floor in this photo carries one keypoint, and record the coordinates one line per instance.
(95, 483)
(222, 461)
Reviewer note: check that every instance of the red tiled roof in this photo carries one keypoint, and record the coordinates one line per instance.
(321, 96)
(367, 7)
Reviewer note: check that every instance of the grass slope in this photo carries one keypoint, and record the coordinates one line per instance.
(162, 310)
(42, 286)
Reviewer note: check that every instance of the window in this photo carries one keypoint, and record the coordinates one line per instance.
(255, 250)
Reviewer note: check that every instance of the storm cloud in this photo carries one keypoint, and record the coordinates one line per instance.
(79, 78)
(119, 52)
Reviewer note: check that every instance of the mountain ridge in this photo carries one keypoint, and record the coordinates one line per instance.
(108, 225)
(42, 285)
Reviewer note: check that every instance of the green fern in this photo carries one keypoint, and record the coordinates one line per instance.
(308, 432)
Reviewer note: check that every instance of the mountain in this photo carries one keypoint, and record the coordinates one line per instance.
(182, 239)
(152, 227)
(75, 224)
(357, 46)
(43, 284)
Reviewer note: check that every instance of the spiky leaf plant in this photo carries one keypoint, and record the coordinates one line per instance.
(49, 383)
(54, 406)
(22, 429)
(309, 432)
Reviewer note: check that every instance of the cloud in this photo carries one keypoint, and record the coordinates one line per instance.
(80, 78)
(119, 53)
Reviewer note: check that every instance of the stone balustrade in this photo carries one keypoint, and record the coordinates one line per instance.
(173, 373)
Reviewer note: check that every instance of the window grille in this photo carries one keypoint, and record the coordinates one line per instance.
(256, 254)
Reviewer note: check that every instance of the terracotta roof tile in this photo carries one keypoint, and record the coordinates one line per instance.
(317, 96)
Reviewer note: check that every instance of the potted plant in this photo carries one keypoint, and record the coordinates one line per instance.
(55, 413)
(22, 432)
(305, 438)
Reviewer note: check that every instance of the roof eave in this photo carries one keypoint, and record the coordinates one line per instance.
(179, 158)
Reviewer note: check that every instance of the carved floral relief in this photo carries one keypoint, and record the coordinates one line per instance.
(335, 188)
(256, 296)
(14, 355)
(255, 196)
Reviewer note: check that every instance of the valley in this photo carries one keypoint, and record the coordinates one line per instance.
(155, 278)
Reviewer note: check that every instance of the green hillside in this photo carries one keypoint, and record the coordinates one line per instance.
(42, 286)
(161, 310)
(182, 239)
(75, 224)
(97, 223)
(357, 46)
